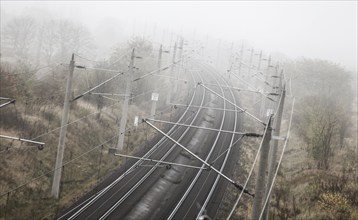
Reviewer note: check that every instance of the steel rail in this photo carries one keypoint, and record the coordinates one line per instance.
(205, 107)
(204, 205)
(120, 201)
(197, 127)
(242, 109)
(134, 166)
(181, 201)
(222, 165)
(161, 162)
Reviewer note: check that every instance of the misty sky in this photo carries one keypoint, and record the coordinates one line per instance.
(313, 29)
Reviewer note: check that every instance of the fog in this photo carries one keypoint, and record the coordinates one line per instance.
(323, 29)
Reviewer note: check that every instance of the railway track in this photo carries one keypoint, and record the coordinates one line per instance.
(147, 190)
(206, 190)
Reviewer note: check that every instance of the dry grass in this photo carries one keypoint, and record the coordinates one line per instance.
(22, 163)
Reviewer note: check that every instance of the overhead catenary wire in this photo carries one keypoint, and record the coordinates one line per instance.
(159, 161)
(127, 130)
(198, 127)
(157, 70)
(95, 87)
(111, 62)
(265, 94)
(132, 97)
(77, 120)
(119, 100)
(242, 109)
(88, 59)
(229, 148)
(80, 118)
(243, 81)
(237, 185)
(39, 99)
(68, 124)
(51, 171)
(79, 67)
(154, 71)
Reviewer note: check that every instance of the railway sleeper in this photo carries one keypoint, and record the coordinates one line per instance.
(147, 207)
(172, 176)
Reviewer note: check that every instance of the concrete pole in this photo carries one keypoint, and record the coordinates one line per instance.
(62, 139)
(259, 63)
(194, 33)
(256, 80)
(263, 100)
(205, 46)
(169, 95)
(163, 36)
(180, 65)
(154, 32)
(241, 58)
(231, 59)
(155, 94)
(250, 64)
(218, 55)
(171, 39)
(123, 122)
(274, 146)
(261, 174)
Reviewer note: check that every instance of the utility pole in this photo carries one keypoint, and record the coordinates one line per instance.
(258, 68)
(274, 145)
(169, 95)
(205, 46)
(180, 65)
(263, 101)
(256, 80)
(123, 122)
(231, 60)
(61, 143)
(218, 54)
(261, 174)
(241, 58)
(250, 63)
(155, 94)
(163, 37)
(171, 39)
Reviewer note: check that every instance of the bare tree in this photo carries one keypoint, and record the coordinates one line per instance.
(49, 41)
(324, 92)
(19, 34)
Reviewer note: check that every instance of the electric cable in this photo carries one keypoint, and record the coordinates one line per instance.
(51, 171)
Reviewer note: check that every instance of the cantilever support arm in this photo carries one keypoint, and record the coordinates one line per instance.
(247, 90)
(238, 186)
(154, 71)
(243, 110)
(8, 103)
(89, 91)
(209, 129)
(40, 144)
(159, 161)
